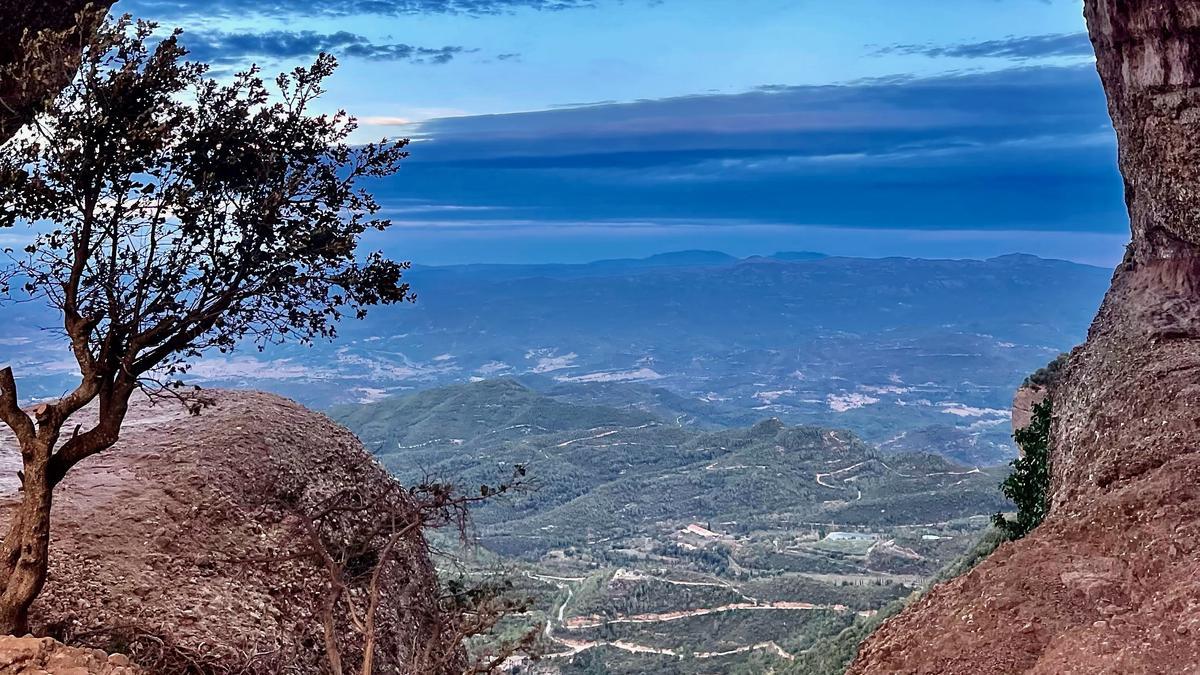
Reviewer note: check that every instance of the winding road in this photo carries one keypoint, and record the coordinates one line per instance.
(577, 645)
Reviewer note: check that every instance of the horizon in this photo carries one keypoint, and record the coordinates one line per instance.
(818, 255)
(692, 336)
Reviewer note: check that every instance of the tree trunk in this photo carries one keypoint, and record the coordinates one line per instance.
(25, 559)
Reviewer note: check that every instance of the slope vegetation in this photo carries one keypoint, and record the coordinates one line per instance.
(644, 539)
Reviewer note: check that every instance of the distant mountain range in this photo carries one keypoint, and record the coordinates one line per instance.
(911, 354)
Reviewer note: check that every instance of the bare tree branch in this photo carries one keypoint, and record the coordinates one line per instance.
(10, 408)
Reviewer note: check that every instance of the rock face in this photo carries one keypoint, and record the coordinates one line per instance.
(1023, 403)
(174, 548)
(17, 17)
(44, 656)
(1110, 583)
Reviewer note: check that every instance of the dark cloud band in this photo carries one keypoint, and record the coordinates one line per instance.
(177, 9)
(1018, 48)
(238, 48)
(1024, 148)
(867, 118)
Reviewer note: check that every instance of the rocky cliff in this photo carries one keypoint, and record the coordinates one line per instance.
(179, 547)
(1026, 398)
(19, 94)
(1110, 583)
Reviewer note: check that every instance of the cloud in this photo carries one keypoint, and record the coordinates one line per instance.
(866, 117)
(223, 48)
(385, 121)
(548, 360)
(635, 375)
(180, 9)
(1017, 48)
(1022, 148)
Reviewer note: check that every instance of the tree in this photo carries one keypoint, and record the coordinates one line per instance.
(171, 215)
(356, 534)
(1028, 486)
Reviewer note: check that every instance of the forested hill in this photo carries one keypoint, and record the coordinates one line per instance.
(604, 472)
(632, 516)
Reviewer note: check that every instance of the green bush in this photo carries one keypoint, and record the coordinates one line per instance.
(1048, 374)
(1028, 486)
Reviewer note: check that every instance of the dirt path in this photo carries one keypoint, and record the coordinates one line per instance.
(821, 476)
(584, 622)
(577, 645)
(602, 434)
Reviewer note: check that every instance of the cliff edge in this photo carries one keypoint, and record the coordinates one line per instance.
(1110, 582)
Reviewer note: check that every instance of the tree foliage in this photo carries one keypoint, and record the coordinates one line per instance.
(1028, 486)
(182, 214)
(1048, 374)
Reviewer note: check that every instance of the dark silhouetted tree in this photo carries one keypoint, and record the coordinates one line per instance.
(20, 94)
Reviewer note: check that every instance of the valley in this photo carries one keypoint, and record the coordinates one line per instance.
(650, 545)
(728, 470)
(913, 355)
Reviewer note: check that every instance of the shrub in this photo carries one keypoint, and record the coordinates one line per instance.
(1028, 486)
(1048, 374)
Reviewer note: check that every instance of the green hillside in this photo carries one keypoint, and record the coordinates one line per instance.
(719, 548)
(488, 410)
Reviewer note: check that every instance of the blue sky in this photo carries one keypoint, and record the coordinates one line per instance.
(568, 130)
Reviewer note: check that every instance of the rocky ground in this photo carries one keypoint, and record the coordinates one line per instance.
(178, 548)
(44, 656)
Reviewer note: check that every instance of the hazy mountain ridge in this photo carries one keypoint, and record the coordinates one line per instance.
(887, 347)
(930, 346)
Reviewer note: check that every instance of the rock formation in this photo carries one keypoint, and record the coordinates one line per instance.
(179, 548)
(1028, 396)
(17, 18)
(1110, 583)
(43, 656)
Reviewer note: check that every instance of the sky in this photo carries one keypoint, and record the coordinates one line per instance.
(573, 130)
